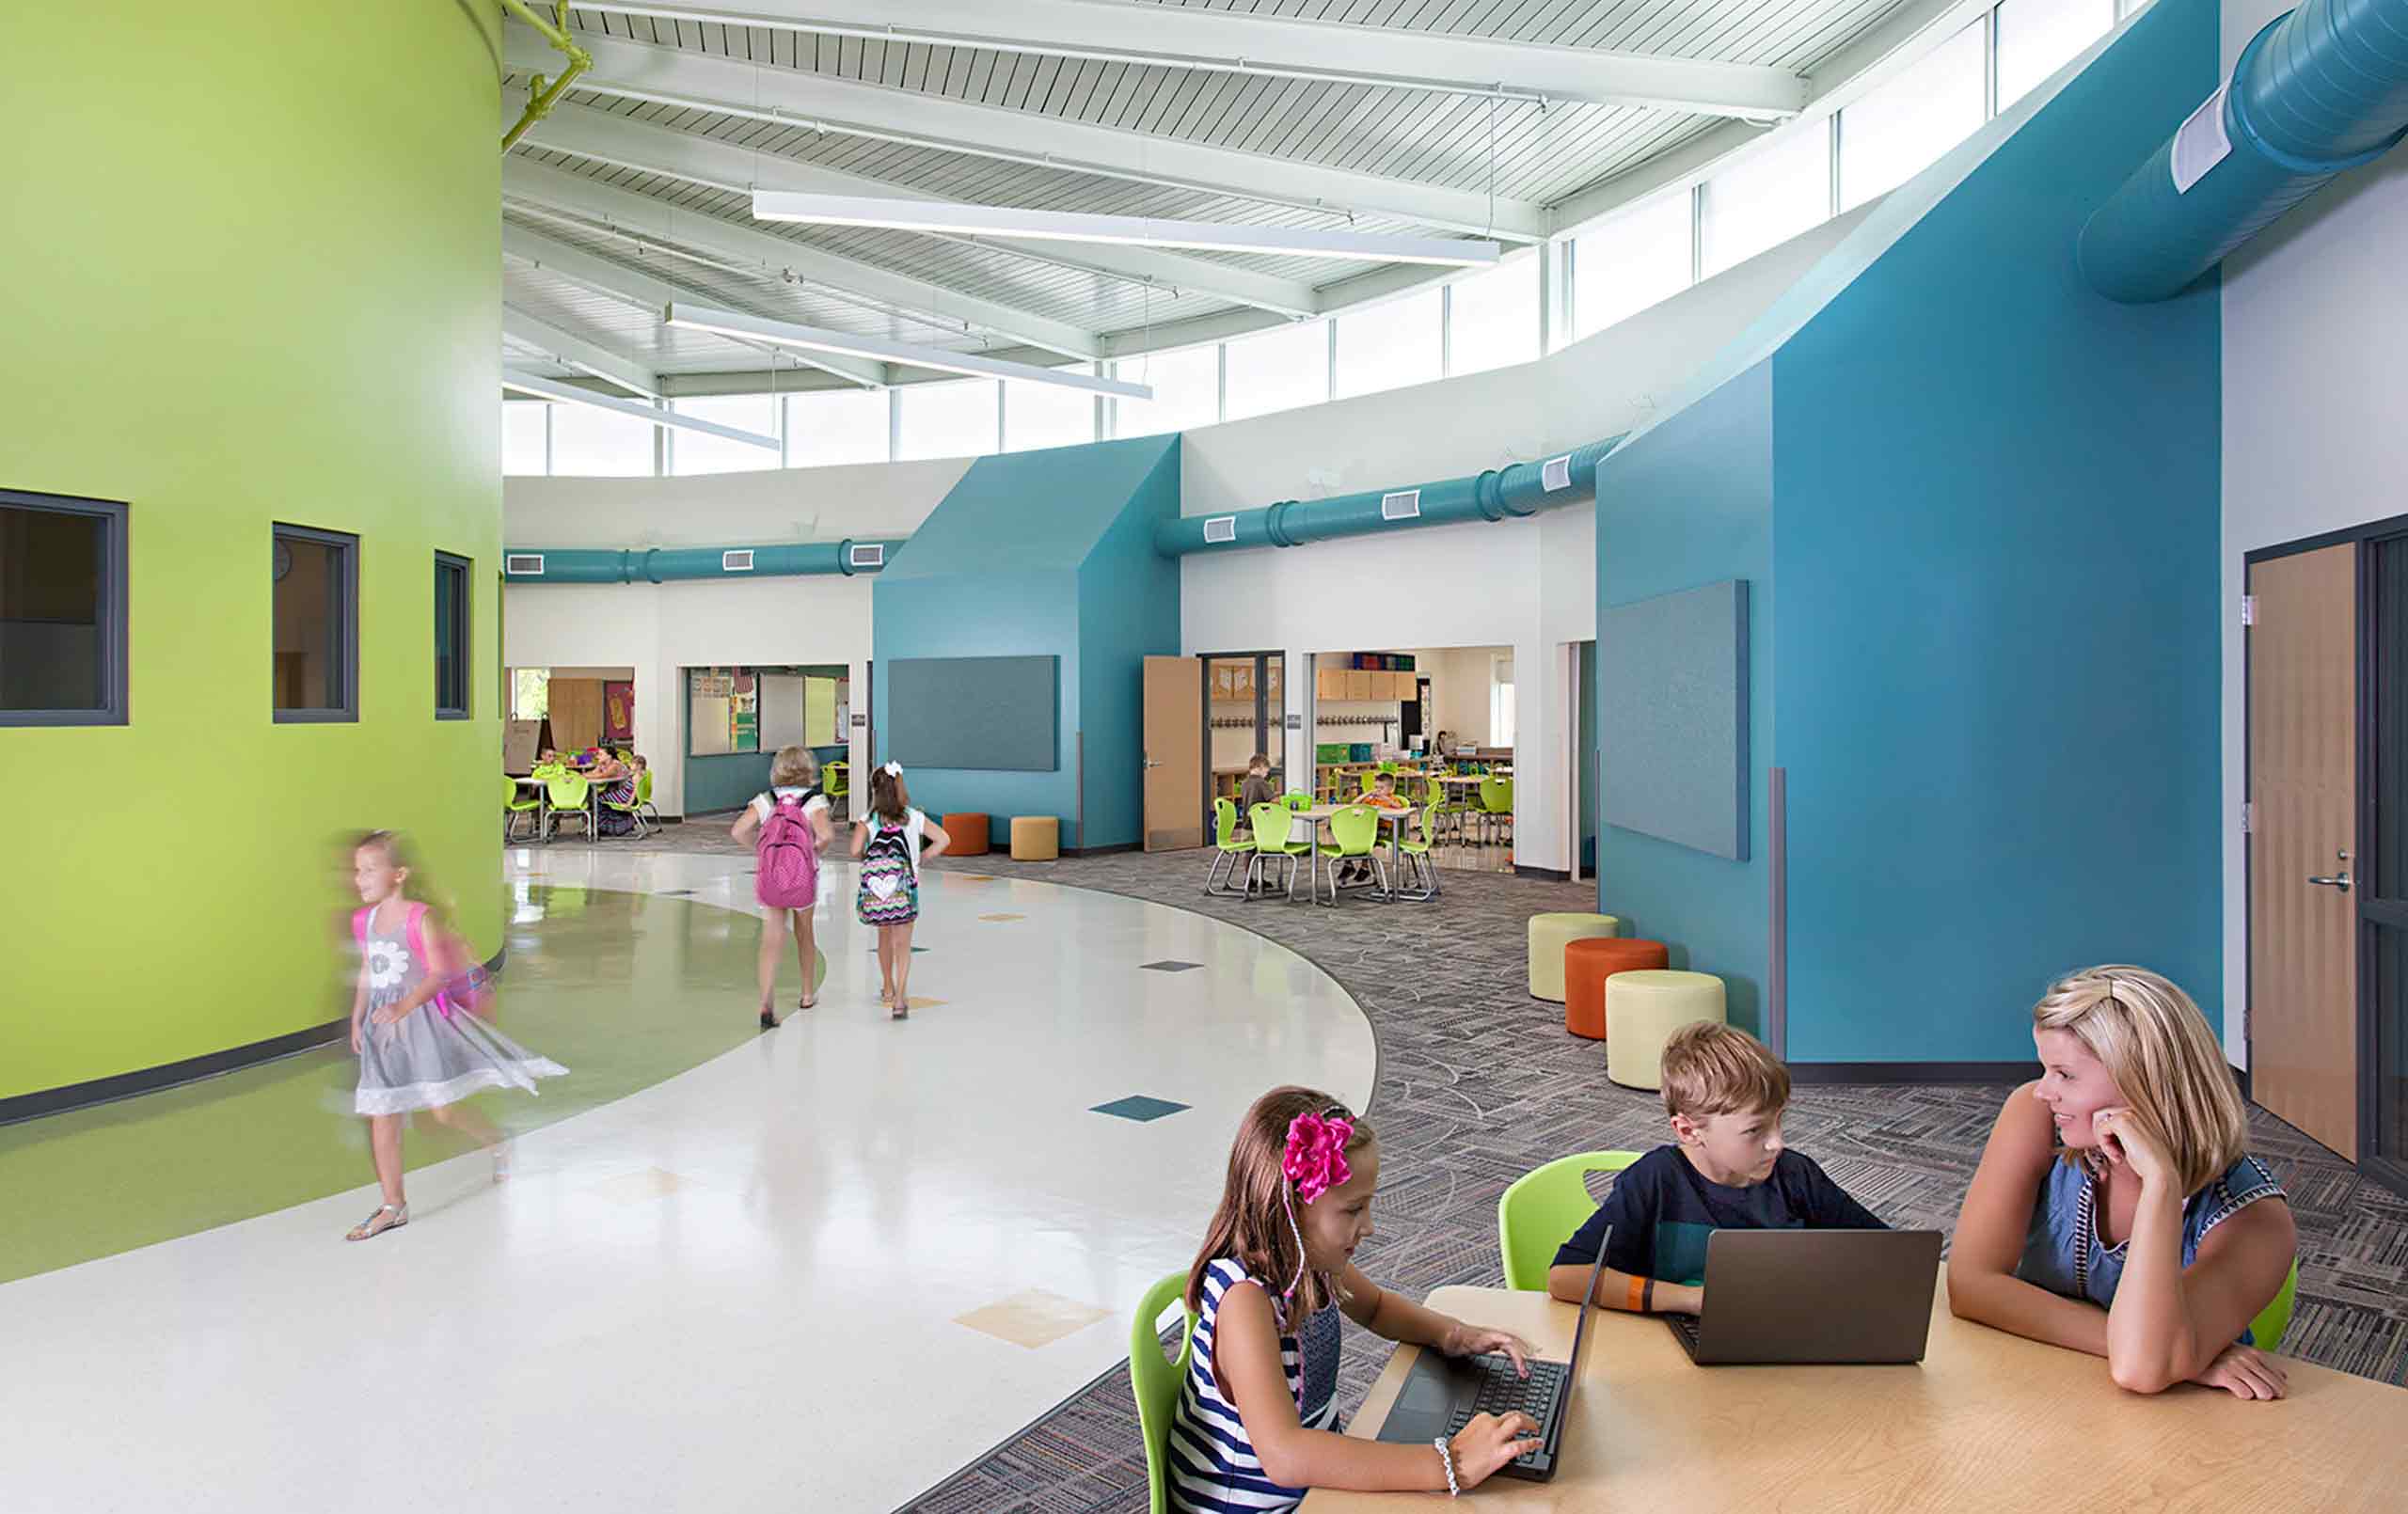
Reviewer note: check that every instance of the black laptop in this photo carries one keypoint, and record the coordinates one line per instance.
(1442, 1393)
(1821, 1297)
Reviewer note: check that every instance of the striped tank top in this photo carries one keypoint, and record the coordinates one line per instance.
(1213, 1465)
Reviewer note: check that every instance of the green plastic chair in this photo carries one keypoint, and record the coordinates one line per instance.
(838, 785)
(1297, 799)
(2272, 1322)
(1387, 766)
(1496, 800)
(1154, 1380)
(1355, 831)
(565, 793)
(513, 805)
(1416, 855)
(1542, 1209)
(1271, 823)
(1230, 852)
(643, 796)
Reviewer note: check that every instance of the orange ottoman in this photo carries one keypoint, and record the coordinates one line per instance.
(968, 833)
(1587, 964)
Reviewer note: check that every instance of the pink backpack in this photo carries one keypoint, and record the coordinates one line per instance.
(789, 874)
(470, 988)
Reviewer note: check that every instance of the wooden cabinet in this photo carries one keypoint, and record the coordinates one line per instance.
(1358, 684)
(1329, 683)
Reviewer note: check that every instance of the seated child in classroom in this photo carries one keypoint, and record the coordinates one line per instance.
(1726, 1169)
(1382, 796)
(1257, 788)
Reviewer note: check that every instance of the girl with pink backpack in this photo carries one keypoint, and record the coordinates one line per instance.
(419, 1023)
(792, 820)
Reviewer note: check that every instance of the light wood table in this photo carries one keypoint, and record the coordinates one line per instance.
(1306, 827)
(1988, 1421)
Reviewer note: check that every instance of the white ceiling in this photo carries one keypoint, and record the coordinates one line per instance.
(636, 190)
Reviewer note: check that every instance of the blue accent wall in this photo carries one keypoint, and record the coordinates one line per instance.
(1001, 569)
(1985, 590)
(1690, 503)
(1128, 610)
(1997, 522)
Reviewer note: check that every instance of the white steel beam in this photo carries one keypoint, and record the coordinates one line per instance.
(544, 388)
(819, 339)
(702, 81)
(1231, 42)
(604, 136)
(635, 287)
(775, 254)
(580, 353)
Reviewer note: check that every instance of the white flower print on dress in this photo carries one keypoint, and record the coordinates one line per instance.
(388, 965)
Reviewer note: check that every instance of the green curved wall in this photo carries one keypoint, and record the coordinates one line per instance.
(252, 273)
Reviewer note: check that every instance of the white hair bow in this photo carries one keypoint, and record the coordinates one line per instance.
(893, 769)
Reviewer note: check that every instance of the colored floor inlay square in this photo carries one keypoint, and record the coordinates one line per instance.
(915, 950)
(1032, 1318)
(976, 877)
(1000, 919)
(1138, 1107)
(639, 1187)
(918, 1003)
(1168, 966)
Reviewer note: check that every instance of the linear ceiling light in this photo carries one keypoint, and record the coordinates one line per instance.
(569, 393)
(818, 339)
(1131, 230)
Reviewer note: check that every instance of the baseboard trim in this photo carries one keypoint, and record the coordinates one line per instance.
(2008, 1073)
(1545, 874)
(1099, 851)
(109, 1090)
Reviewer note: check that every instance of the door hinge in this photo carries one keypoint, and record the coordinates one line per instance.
(2249, 609)
(2247, 812)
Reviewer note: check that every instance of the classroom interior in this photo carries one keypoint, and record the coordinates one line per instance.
(1821, 519)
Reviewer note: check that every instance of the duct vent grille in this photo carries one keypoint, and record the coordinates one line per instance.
(523, 564)
(736, 561)
(1556, 473)
(1219, 528)
(872, 556)
(1405, 504)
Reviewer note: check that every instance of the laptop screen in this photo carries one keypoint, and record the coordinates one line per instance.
(1588, 1303)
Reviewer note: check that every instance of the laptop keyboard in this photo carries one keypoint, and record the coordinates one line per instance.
(1686, 1326)
(1503, 1391)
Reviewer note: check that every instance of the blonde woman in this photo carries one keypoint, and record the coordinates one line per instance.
(2114, 1212)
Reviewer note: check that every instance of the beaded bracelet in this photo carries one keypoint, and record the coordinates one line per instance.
(1447, 1459)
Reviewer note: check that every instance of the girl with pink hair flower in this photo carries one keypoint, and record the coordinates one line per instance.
(1257, 1421)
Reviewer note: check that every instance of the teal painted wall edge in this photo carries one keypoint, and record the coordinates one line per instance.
(1128, 610)
(1996, 522)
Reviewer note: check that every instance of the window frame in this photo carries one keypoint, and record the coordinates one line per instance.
(465, 568)
(115, 708)
(346, 619)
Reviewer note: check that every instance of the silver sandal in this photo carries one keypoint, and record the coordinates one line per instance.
(369, 1229)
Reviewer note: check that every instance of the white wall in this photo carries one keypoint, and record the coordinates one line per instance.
(659, 630)
(1528, 585)
(2315, 320)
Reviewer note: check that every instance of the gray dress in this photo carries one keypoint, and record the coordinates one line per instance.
(427, 1060)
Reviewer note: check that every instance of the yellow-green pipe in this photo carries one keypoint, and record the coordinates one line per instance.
(580, 60)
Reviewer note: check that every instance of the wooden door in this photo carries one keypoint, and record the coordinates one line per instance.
(2303, 809)
(1174, 753)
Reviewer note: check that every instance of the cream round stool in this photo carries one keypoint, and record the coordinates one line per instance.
(1643, 1009)
(1548, 936)
(1036, 838)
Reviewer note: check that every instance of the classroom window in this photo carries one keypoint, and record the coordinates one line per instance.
(949, 419)
(2037, 38)
(1278, 369)
(1634, 260)
(316, 662)
(591, 442)
(531, 693)
(1391, 345)
(451, 636)
(62, 611)
(1768, 197)
(1049, 415)
(829, 427)
(526, 437)
(1492, 317)
(694, 452)
(1187, 392)
(1902, 128)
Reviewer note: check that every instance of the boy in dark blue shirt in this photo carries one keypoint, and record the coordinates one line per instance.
(1725, 1091)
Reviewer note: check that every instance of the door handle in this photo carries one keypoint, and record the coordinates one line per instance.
(2341, 882)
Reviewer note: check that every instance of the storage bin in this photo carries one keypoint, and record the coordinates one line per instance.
(1360, 752)
(1331, 751)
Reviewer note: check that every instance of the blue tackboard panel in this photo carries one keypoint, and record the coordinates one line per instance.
(1672, 718)
(981, 712)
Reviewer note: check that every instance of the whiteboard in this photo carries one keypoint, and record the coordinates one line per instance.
(782, 703)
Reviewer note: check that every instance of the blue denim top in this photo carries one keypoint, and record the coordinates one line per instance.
(2062, 1253)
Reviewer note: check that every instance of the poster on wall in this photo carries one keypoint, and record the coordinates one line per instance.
(618, 712)
(744, 712)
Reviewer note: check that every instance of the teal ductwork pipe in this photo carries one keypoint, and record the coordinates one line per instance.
(2321, 91)
(1498, 493)
(660, 564)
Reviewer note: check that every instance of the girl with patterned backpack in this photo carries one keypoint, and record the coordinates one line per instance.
(792, 819)
(887, 840)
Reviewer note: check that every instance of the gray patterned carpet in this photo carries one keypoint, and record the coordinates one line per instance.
(1478, 1083)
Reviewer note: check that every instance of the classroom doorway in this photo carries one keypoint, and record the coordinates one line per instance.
(1444, 720)
(566, 709)
(1245, 702)
(1174, 754)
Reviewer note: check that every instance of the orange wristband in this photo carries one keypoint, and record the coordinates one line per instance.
(1637, 1294)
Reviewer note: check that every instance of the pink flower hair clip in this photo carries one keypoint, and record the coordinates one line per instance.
(1314, 1162)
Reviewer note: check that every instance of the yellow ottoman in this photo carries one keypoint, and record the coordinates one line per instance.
(1642, 1010)
(1548, 936)
(1035, 837)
